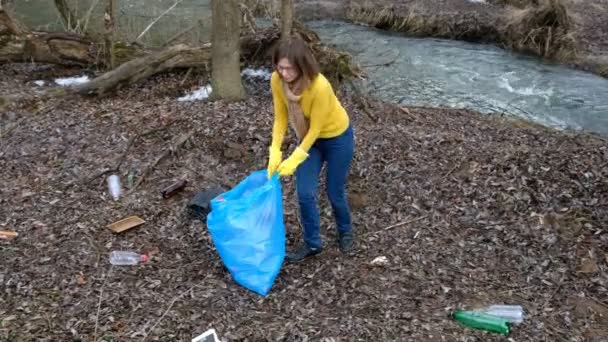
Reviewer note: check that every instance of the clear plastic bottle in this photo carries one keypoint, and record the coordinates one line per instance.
(114, 187)
(512, 313)
(127, 258)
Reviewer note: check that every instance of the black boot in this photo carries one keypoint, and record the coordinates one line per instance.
(302, 253)
(346, 242)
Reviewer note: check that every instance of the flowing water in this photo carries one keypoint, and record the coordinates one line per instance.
(436, 72)
(410, 71)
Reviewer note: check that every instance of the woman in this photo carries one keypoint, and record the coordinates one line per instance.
(303, 97)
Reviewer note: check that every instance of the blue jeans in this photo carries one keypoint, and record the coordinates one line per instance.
(337, 153)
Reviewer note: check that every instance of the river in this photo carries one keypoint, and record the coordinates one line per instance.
(438, 72)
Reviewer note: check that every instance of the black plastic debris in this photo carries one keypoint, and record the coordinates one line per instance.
(200, 205)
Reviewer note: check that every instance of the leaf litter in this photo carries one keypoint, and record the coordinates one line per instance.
(469, 209)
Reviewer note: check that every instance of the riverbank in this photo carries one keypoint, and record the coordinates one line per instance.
(567, 31)
(499, 211)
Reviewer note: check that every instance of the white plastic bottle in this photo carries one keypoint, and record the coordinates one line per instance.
(127, 258)
(114, 187)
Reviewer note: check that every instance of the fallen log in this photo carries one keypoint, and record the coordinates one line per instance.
(17, 44)
(140, 68)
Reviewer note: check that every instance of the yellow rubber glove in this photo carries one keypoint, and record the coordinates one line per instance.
(289, 166)
(274, 160)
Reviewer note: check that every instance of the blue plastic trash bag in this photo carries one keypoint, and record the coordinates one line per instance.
(247, 229)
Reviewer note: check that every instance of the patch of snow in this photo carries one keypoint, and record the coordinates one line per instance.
(199, 94)
(72, 80)
(259, 73)
(39, 83)
(478, 1)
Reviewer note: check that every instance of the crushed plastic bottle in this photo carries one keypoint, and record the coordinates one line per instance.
(114, 187)
(483, 321)
(127, 258)
(130, 180)
(512, 313)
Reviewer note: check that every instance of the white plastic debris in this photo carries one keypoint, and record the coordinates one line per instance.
(257, 73)
(199, 94)
(114, 187)
(380, 261)
(208, 336)
(72, 80)
(39, 83)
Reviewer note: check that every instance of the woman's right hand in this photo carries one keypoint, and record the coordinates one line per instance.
(274, 160)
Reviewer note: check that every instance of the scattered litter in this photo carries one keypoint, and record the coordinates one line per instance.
(200, 204)
(123, 258)
(512, 313)
(114, 187)
(200, 94)
(125, 224)
(207, 336)
(72, 80)
(7, 235)
(257, 73)
(173, 188)
(380, 261)
(39, 83)
(130, 180)
(482, 321)
(495, 318)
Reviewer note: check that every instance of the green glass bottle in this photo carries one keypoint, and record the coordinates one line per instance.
(482, 321)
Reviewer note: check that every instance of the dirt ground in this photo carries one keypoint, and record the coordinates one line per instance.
(468, 209)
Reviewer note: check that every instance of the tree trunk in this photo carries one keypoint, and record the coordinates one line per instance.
(8, 26)
(286, 18)
(225, 62)
(67, 16)
(108, 21)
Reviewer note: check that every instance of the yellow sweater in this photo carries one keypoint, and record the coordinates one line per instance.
(327, 118)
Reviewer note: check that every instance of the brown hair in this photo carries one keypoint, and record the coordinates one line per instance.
(297, 53)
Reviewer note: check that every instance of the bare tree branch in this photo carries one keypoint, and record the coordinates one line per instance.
(67, 16)
(155, 20)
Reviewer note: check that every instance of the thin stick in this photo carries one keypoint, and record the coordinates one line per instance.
(155, 20)
(598, 302)
(185, 77)
(99, 303)
(179, 34)
(141, 135)
(452, 170)
(360, 99)
(163, 155)
(85, 26)
(130, 143)
(397, 225)
(166, 311)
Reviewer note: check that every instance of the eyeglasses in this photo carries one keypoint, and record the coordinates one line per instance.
(287, 69)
